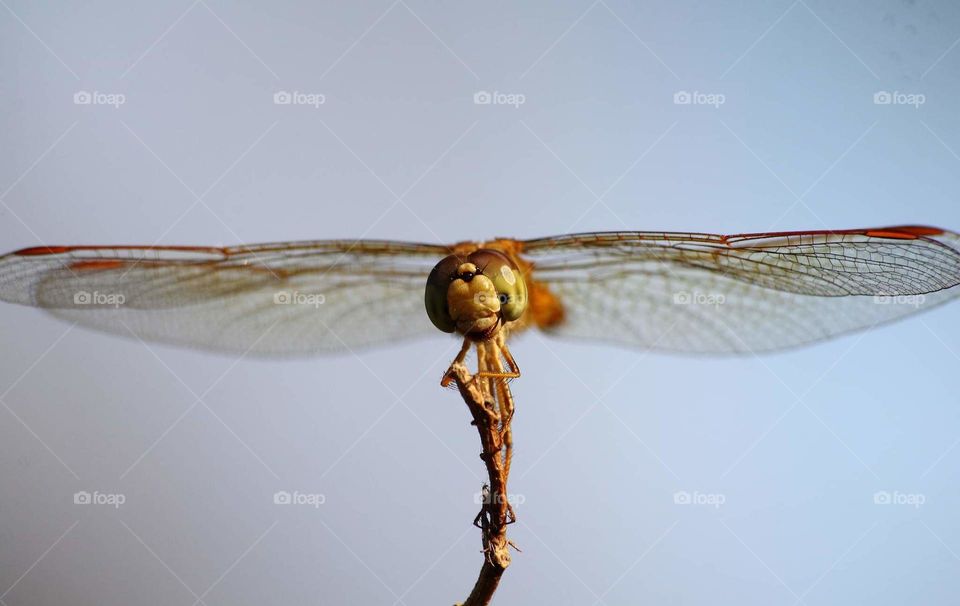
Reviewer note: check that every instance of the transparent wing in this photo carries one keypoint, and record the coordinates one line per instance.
(704, 293)
(292, 298)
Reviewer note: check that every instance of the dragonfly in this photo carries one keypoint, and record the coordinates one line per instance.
(663, 291)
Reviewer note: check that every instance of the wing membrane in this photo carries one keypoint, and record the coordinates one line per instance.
(293, 298)
(684, 292)
(705, 293)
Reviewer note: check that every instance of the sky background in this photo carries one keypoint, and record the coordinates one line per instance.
(795, 445)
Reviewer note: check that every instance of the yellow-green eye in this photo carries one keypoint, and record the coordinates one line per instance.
(507, 281)
(435, 297)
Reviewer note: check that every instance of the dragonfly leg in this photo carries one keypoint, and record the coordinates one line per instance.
(509, 358)
(500, 372)
(505, 399)
(486, 374)
(448, 376)
(514, 371)
(498, 354)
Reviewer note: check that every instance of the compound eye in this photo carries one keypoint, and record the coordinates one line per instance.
(435, 295)
(507, 281)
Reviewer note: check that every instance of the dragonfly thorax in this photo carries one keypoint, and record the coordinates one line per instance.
(474, 295)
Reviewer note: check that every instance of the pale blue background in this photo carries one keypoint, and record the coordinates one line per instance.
(604, 436)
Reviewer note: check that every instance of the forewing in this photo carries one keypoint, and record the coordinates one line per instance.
(271, 299)
(705, 293)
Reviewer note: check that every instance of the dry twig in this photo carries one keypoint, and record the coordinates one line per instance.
(488, 405)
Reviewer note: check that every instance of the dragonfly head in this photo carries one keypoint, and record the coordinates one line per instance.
(473, 295)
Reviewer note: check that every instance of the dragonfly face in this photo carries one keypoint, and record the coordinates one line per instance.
(474, 295)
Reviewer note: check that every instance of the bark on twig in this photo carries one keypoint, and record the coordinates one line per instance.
(496, 512)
